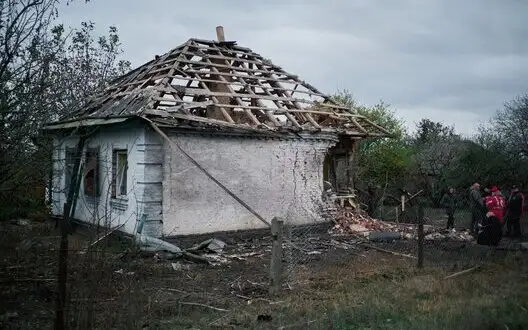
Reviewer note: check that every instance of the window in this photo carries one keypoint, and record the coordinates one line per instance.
(91, 172)
(119, 173)
(68, 168)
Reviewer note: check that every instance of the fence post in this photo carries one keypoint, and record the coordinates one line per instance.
(421, 235)
(60, 323)
(276, 256)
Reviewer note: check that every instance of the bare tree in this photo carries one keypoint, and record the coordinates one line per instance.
(44, 72)
(511, 123)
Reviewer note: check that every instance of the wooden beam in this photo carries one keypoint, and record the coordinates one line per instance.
(248, 112)
(174, 145)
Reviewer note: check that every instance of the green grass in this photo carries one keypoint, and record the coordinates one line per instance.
(493, 297)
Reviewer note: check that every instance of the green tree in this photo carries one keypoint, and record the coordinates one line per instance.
(381, 161)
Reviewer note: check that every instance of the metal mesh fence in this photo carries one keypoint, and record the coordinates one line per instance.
(333, 276)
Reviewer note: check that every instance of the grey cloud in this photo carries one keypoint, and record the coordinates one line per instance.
(453, 61)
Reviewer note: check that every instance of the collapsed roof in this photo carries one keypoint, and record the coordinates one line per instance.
(218, 83)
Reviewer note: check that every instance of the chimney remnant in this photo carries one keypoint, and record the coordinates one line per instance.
(220, 33)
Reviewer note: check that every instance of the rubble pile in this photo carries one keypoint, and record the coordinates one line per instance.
(357, 222)
(352, 221)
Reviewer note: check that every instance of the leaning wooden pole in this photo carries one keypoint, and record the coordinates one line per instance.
(60, 323)
(201, 168)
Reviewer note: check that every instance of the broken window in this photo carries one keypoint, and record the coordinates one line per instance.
(119, 173)
(91, 172)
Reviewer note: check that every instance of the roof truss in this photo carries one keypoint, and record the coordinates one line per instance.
(225, 82)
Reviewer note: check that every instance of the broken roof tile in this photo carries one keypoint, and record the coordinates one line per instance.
(227, 83)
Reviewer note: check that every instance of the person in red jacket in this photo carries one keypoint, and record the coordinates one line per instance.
(491, 228)
(495, 203)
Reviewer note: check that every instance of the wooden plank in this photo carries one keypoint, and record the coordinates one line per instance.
(248, 112)
(218, 104)
(237, 68)
(202, 42)
(288, 115)
(358, 125)
(204, 120)
(241, 76)
(165, 80)
(269, 113)
(203, 92)
(206, 55)
(311, 120)
(175, 145)
(187, 75)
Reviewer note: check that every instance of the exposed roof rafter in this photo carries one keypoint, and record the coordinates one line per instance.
(224, 82)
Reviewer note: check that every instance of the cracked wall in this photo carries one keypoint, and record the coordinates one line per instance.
(276, 177)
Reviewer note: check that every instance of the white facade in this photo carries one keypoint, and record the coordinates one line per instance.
(105, 209)
(276, 177)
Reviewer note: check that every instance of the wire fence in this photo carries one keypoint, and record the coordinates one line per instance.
(371, 267)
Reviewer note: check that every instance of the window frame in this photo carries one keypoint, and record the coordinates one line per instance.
(119, 173)
(96, 187)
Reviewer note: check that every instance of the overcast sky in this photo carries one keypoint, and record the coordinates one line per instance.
(450, 61)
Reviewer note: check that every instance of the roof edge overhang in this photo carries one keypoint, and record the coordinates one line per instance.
(219, 127)
(85, 122)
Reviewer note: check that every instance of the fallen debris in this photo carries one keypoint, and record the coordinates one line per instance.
(121, 271)
(203, 305)
(21, 222)
(386, 236)
(461, 272)
(357, 222)
(389, 251)
(213, 245)
(452, 234)
(105, 235)
(178, 266)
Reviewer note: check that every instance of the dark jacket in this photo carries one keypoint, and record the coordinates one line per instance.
(449, 202)
(475, 200)
(515, 205)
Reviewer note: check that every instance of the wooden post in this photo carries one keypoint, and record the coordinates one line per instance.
(60, 323)
(63, 269)
(397, 214)
(403, 203)
(276, 256)
(421, 235)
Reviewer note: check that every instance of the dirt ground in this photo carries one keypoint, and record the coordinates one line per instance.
(330, 283)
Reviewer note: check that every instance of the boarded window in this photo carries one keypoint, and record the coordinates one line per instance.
(119, 173)
(91, 172)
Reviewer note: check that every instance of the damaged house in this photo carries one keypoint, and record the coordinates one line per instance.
(207, 137)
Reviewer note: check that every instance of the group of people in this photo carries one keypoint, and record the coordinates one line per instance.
(490, 211)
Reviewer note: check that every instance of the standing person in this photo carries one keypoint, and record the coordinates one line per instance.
(495, 204)
(448, 201)
(515, 211)
(491, 232)
(476, 204)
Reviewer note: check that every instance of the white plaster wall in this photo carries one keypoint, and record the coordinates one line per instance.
(274, 177)
(104, 210)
